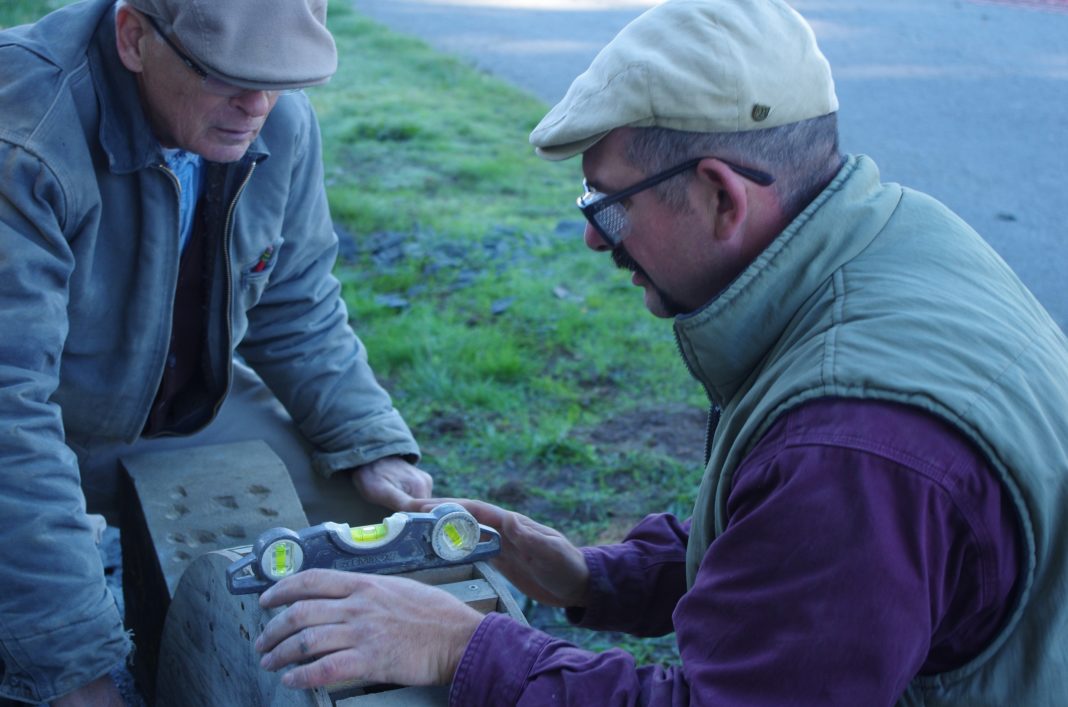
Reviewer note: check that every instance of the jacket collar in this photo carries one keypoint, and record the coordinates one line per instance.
(725, 340)
(125, 134)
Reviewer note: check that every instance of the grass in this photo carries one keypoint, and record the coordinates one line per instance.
(512, 350)
(17, 12)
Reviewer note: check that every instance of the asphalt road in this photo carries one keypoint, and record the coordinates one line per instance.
(962, 99)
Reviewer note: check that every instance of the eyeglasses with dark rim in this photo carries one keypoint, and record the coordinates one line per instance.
(214, 86)
(608, 216)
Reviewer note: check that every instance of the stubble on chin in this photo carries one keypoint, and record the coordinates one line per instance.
(669, 306)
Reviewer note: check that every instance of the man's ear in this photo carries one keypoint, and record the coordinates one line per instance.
(130, 34)
(729, 198)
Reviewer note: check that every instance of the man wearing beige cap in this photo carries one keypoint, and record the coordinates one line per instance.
(884, 513)
(165, 281)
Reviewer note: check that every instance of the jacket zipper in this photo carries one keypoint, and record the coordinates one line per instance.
(713, 409)
(228, 234)
(173, 290)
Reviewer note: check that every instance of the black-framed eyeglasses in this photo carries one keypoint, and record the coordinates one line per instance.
(214, 86)
(608, 216)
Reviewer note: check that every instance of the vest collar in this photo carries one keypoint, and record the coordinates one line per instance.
(724, 341)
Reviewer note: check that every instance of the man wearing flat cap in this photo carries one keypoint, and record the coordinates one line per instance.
(883, 518)
(165, 281)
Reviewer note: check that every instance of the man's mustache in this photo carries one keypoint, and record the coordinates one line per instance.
(623, 261)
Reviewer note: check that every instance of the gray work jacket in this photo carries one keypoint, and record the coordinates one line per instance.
(88, 266)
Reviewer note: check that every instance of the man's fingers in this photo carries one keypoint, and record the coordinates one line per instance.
(376, 488)
(484, 513)
(385, 494)
(422, 484)
(309, 643)
(393, 483)
(312, 584)
(329, 669)
(303, 614)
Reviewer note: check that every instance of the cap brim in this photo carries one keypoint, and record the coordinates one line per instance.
(254, 85)
(555, 153)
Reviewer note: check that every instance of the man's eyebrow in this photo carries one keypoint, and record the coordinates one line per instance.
(613, 183)
(597, 185)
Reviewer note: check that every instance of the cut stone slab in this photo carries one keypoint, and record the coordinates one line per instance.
(181, 504)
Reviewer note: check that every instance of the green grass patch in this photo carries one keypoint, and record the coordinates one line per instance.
(19, 12)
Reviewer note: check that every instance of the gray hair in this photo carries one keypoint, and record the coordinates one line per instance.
(803, 157)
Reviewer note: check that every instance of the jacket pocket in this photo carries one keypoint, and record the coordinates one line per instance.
(255, 275)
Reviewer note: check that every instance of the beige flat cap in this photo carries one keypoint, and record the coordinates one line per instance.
(696, 65)
(256, 44)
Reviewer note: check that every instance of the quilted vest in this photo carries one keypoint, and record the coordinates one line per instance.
(876, 291)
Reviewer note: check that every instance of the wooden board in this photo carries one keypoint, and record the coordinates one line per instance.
(207, 659)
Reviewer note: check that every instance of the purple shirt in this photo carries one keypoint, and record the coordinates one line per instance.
(866, 543)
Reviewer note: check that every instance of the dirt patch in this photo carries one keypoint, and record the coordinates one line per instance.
(677, 432)
(637, 445)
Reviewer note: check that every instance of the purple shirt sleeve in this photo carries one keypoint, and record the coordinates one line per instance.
(866, 543)
(635, 585)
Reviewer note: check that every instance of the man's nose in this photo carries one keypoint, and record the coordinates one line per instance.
(254, 103)
(594, 240)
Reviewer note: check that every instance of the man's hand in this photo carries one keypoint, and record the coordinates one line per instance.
(393, 483)
(539, 561)
(355, 626)
(99, 693)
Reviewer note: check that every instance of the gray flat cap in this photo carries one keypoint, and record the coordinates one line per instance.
(256, 44)
(697, 65)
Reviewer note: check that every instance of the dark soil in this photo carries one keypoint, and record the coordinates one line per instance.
(677, 432)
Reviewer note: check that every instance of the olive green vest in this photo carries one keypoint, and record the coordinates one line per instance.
(880, 292)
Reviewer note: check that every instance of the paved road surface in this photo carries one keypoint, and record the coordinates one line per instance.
(965, 100)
